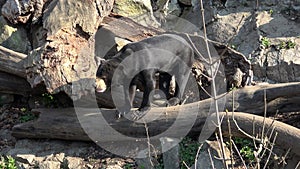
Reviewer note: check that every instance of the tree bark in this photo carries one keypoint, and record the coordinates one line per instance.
(64, 123)
(12, 62)
(12, 84)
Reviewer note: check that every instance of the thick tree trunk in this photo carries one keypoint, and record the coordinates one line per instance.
(64, 124)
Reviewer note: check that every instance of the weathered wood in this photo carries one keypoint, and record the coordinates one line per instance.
(12, 62)
(12, 84)
(282, 97)
(64, 124)
(126, 28)
(64, 46)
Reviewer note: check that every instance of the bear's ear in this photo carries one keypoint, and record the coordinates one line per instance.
(99, 61)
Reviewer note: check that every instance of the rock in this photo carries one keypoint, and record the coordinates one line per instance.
(243, 28)
(22, 165)
(23, 10)
(67, 18)
(89, 166)
(49, 165)
(13, 37)
(114, 163)
(38, 160)
(138, 10)
(60, 157)
(18, 11)
(277, 62)
(74, 162)
(25, 158)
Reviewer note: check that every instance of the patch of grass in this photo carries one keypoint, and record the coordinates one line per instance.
(7, 162)
(27, 116)
(187, 151)
(246, 148)
(290, 44)
(287, 45)
(129, 166)
(265, 42)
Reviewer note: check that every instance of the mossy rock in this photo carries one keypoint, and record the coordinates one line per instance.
(132, 8)
(13, 38)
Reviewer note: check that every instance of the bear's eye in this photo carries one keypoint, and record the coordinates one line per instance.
(104, 78)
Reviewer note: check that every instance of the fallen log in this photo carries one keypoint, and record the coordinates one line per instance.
(126, 28)
(63, 124)
(101, 125)
(12, 62)
(13, 84)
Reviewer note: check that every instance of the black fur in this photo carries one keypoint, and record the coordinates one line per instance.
(166, 53)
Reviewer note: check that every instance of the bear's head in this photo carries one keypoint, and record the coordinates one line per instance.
(104, 74)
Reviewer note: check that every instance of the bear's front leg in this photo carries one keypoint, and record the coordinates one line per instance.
(149, 82)
(121, 99)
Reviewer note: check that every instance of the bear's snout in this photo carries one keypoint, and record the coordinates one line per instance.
(100, 85)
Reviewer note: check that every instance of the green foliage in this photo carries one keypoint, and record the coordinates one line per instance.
(188, 150)
(265, 42)
(27, 116)
(287, 45)
(271, 11)
(246, 148)
(187, 153)
(129, 166)
(49, 100)
(7, 163)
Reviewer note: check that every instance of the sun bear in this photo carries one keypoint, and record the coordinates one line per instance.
(136, 64)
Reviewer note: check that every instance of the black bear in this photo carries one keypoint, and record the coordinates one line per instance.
(136, 64)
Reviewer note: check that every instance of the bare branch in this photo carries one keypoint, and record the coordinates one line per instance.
(272, 146)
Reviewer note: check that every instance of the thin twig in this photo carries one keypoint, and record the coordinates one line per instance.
(238, 152)
(284, 157)
(298, 165)
(197, 51)
(270, 136)
(149, 144)
(243, 132)
(205, 91)
(253, 132)
(265, 114)
(217, 68)
(272, 146)
(213, 87)
(210, 158)
(230, 138)
(185, 165)
(197, 155)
